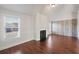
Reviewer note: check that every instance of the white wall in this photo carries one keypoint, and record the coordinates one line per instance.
(42, 23)
(27, 31)
(78, 25)
(1, 29)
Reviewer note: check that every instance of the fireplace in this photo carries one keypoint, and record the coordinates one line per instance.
(42, 35)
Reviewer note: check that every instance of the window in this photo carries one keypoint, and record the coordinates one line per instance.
(12, 27)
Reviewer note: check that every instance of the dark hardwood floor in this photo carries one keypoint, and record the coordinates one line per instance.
(55, 44)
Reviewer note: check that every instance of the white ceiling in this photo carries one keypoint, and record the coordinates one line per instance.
(33, 8)
(23, 8)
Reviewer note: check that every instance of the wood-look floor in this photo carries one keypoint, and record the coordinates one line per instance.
(55, 44)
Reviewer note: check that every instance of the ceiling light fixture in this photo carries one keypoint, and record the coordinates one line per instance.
(52, 5)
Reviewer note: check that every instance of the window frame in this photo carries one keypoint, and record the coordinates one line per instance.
(18, 32)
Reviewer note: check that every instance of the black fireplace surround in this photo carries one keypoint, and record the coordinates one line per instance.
(42, 35)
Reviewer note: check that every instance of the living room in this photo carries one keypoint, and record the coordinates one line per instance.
(22, 23)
